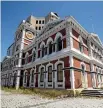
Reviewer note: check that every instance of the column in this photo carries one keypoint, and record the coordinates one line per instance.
(93, 76)
(72, 73)
(20, 60)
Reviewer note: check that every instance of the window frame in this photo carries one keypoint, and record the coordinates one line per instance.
(59, 80)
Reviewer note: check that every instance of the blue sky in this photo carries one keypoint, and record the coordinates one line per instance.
(13, 12)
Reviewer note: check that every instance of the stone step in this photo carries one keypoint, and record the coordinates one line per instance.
(92, 95)
(93, 92)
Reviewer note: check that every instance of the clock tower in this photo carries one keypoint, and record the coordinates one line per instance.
(25, 35)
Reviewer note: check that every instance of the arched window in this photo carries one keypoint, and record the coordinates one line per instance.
(59, 44)
(43, 51)
(59, 73)
(34, 56)
(50, 47)
(50, 74)
(26, 58)
(42, 75)
(32, 76)
(25, 76)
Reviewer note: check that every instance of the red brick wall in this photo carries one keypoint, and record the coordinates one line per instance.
(89, 79)
(85, 50)
(67, 73)
(75, 33)
(77, 74)
(75, 44)
(88, 75)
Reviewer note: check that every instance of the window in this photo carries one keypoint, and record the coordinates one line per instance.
(50, 74)
(59, 44)
(50, 47)
(39, 28)
(43, 51)
(53, 47)
(34, 56)
(43, 22)
(32, 76)
(40, 22)
(36, 21)
(25, 77)
(36, 28)
(83, 69)
(42, 75)
(59, 73)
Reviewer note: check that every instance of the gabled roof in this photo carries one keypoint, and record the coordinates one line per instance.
(96, 38)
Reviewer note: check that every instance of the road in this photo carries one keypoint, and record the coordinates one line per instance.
(9, 100)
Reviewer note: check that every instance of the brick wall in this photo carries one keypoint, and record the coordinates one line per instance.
(75, 44)
(77, 74)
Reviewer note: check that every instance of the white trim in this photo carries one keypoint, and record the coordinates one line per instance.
(59, 83)
(72, 77)
(49, 40)
(57, 36)
(42, 43)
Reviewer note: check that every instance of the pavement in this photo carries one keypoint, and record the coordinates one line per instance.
(9, 100)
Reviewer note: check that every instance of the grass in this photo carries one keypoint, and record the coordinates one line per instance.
(48, 93)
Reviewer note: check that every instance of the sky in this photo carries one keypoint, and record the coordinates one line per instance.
(12, 13)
